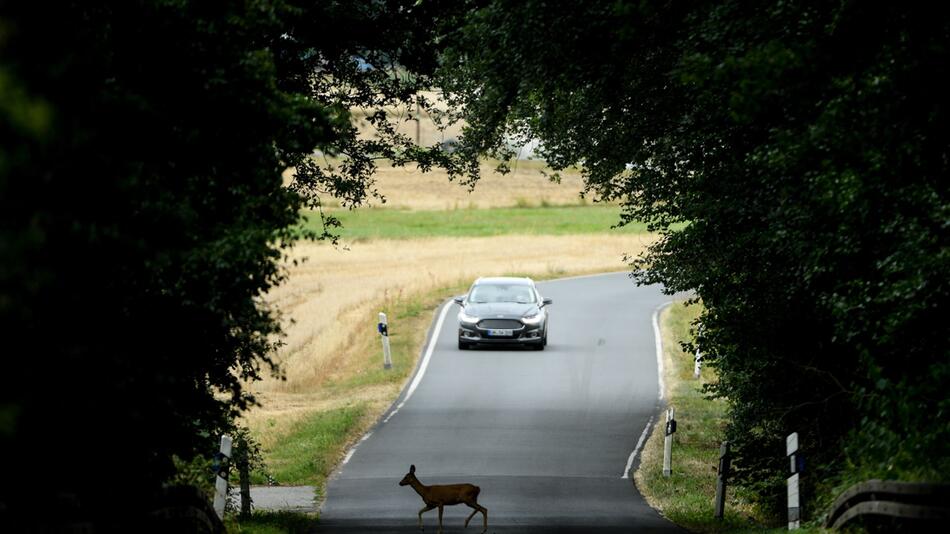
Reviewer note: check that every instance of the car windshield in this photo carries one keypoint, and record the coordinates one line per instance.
(519, 293)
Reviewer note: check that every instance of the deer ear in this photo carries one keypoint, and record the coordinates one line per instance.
(412, 468)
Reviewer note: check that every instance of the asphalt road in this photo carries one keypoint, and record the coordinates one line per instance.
(547, 435)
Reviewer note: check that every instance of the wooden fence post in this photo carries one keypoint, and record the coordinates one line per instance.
(244, 472)
(721, 478)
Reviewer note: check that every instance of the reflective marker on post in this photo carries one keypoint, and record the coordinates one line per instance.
(383, 328)
(222, 462)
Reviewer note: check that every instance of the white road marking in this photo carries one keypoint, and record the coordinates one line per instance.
(425, 361)
(659, 348)
(349, 453)
(633, 455)
(660, 384)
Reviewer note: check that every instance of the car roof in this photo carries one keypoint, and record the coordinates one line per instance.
(492, 280)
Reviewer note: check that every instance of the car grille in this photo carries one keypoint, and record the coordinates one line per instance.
(500, 323)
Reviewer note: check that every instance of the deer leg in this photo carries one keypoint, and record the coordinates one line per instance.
(474, 511)
(426, 509)
(440, 519)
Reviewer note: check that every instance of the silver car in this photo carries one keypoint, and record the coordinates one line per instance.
(503, 311)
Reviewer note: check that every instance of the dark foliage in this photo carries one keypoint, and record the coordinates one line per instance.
(806, 144)
(144, 216)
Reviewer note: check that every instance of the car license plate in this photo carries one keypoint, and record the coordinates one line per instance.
(500, 332)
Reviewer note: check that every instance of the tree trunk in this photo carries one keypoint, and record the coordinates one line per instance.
(245, 476)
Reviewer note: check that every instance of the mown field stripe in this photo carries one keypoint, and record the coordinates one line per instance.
(362, 224)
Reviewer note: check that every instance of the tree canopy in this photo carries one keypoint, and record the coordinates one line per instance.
(805, 145)
(144, 216)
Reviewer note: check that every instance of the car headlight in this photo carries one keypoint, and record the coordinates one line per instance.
(466, 318)
(534, 318)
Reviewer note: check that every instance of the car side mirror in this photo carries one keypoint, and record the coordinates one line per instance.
(546, 302)
(459, 300)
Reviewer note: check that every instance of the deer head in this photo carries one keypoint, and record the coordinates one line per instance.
(406, 480)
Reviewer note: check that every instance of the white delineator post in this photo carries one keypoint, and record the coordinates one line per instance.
(221, 478)
(383, 328)
(668, 443)
(698, 359)
(794, 497)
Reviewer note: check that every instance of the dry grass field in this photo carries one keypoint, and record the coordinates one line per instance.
(525, 185)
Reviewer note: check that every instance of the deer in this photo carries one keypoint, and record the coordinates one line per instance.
(447, 495)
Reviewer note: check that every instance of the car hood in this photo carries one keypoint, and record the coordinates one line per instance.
(499, 310)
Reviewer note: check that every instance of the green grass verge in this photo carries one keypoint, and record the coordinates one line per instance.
(262, 522)
(308, 453)
(687, 496)
(379, 223)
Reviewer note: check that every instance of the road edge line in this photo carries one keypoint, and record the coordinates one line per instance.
(661, 384)
(636, 450)
(420, 373)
